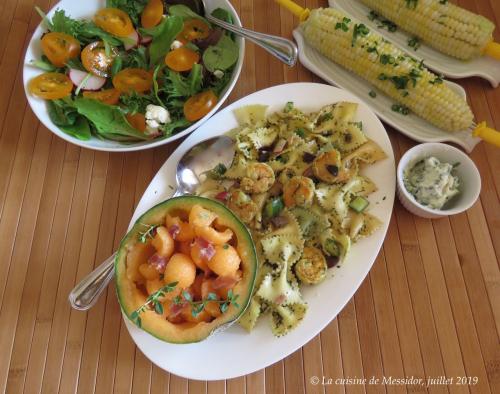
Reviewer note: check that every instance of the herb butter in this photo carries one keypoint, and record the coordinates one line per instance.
(431, 182)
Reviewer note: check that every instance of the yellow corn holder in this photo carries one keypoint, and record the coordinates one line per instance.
(493, 50)
(344, 42)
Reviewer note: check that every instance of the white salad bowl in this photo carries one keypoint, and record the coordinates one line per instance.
(86, 9)
(467, 172)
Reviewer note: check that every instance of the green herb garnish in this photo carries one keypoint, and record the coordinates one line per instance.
(402, 109)
(360, 30)
(414, 42)
(152, 302)
(344, 25)
(148, 233)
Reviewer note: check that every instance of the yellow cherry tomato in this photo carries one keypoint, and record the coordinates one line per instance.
(199, 105)
(152, 14)
(181, 59)
(114, 21)
(106, 96)
(60, 47)
(133, 80)
(194, 29)
(50, 86)
(137, 121)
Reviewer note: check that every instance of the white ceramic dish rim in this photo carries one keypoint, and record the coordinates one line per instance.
(345, 281)
(38, 106)
(429, 148)
(483, 67)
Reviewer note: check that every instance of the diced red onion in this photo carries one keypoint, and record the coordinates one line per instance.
(280, 299)
(226, 282)
(207, 250)
(280, 145)
(158, 262)
(174, 231)
(222, 196)
(176, 309)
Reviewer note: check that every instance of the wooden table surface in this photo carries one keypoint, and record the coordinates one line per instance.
(430, 306)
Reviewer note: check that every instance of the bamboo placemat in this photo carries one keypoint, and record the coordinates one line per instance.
(430, 306)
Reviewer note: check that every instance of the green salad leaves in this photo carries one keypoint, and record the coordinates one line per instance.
(86, 114)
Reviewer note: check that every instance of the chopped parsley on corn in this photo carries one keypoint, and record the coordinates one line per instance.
(447, 27)
(358, 49)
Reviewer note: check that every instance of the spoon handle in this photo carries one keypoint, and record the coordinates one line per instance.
(284, 49)
(86, 293)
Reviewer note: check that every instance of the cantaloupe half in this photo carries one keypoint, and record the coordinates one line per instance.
(131, 297)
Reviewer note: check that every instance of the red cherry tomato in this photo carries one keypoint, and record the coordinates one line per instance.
(96, 61)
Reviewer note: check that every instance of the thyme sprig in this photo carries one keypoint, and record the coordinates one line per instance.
(198, 306)
(152, 302)
(148, 233)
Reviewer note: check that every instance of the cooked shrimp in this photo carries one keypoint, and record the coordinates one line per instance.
(298, 191)
(311, 268)
(242, 205)
(259, 178)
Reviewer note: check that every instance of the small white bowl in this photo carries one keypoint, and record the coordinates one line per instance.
(470, 179)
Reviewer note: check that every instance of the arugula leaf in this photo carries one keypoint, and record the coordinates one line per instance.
(80, 130)
(136, 58)
(223, 14)
(218, 85)
(179, 86)
(169, 128)
(156, 87)
(153, 31)
(83, 31)
(221, 56)
(134, 102)
(89, 31)
(43, 64)
(108, 120)
(184, 12)
(64, 115)
(133, 8)
(171, 27)
(62, 112)
(62, 23)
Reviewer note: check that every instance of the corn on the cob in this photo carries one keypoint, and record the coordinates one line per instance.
(352, 45)
(448, 28)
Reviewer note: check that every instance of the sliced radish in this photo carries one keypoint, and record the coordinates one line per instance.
(90, 82)
(132, 40)
(146, 40)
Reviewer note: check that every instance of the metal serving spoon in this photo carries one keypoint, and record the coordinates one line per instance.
(199, 159)
(282, 48)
